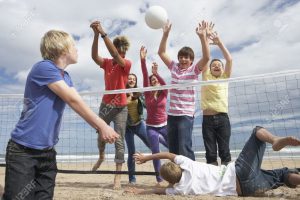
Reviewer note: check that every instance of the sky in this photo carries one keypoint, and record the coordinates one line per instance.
(262, 35)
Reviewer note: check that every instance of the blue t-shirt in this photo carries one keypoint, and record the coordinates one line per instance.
(40, 120)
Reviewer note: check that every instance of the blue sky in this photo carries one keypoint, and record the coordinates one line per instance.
(263, 35)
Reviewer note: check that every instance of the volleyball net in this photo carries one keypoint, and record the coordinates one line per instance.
(269, 100)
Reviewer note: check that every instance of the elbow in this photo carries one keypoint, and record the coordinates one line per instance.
(229, 60)
(160, 53)
(94, 57)
(206, 58)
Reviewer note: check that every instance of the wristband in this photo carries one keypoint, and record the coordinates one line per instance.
(104, 35)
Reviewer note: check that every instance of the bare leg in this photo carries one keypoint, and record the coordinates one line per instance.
(117, 180)
(101, 147)
(277, 142)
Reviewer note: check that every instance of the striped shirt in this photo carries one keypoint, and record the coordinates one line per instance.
(182, 101)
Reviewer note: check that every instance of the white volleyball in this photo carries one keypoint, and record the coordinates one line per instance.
(156, 17)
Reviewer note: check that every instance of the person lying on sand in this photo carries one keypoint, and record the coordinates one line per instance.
(244, 177)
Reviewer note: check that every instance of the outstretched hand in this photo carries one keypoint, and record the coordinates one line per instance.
(154, 68)
(133, 190)
(139, 158)
(202, 29)
(214, 37)
(210, 29)
(143, 52)
(167, 27)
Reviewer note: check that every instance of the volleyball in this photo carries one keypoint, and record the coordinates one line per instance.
(156, 17)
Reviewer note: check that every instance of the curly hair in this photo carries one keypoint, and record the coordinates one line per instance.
(121, 43)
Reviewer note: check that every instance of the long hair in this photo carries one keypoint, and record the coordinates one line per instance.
(157, 92)
(135, 86)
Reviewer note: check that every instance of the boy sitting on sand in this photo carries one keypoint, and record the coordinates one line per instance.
(244, 177)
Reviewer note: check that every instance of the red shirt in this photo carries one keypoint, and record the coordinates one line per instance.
(115, 77)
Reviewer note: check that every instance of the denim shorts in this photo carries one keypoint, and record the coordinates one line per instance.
(254, 180)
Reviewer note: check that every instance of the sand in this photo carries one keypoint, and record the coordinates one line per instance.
(97, 186)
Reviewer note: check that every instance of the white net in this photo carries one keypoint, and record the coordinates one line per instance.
(269, 100)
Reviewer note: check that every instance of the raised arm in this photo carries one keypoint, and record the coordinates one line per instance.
(159, 78)
(95, 56)
(163, 45)
(228, 65)
(108, 43)
(143, 55)
(201, 31)
(140, 158)
(155, 72)
(73, 99)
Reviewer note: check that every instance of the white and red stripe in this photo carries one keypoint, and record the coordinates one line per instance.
(182, 101)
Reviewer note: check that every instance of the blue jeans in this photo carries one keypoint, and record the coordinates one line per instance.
(157, 135)
(140, 131)
(29, 174)
(180, 130)
(254, 180)
(216, 131)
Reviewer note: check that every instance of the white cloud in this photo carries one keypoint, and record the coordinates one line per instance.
(270, 36)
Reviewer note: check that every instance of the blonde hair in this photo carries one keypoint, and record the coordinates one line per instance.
(171, 172)
(121, 43)
(55, 43)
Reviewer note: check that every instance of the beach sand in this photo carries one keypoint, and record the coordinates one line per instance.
(98, 186)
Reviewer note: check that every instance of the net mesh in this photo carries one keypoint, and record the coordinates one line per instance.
(271, 101)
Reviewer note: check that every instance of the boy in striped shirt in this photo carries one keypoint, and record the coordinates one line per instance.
(182, 101)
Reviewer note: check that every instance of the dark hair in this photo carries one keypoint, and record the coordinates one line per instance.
(137, 94)
(135, 86)
(213, 60)
(159, 91)
(150, 78)
(186, 51)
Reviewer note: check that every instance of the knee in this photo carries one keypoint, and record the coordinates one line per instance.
(258, 130)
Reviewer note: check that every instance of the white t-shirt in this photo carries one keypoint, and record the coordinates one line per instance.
(201, 178)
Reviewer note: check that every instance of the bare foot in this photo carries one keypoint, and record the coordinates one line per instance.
(281, 142)
(117, 182)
